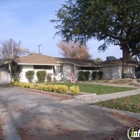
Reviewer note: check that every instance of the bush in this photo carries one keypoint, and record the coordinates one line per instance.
(41, 76)
(53, 88)
(15, 73)
(54, 80)
(74, 90)
(30, 75)
(87, 73)
(40, 87)
(83, 76)
(62, 89)
(100, 75)
(94, 75)
(49, 78)
(24, 85)
(14, 83)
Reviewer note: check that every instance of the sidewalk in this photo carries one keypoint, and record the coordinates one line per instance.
(93, 98)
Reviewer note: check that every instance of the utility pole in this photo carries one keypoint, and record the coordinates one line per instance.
(39, 49)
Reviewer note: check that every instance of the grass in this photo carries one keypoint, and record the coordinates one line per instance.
(130, 103)
(98, 89)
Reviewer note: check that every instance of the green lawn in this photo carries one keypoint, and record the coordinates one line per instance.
(98, 89)
(130, 103)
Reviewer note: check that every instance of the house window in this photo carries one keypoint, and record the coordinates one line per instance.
(42, 67)
(89, 68)
(61, 69)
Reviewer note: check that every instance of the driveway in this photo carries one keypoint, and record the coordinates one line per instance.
(30, 115)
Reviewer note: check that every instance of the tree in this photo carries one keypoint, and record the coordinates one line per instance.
(71, 49)
(115, 22)
(10, 49)
(8, 52)
(98, 59)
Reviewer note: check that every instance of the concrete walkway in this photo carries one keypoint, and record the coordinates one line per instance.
(93, 98)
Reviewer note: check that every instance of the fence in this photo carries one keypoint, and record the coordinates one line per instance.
(4, 77)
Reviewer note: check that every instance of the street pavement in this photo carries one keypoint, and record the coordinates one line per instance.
(29, 115)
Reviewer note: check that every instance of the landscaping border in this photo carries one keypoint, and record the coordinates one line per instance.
(59, 95)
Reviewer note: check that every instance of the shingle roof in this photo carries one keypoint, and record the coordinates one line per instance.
(39, 59)
(116, 62)
(36, 59)
(79, 62)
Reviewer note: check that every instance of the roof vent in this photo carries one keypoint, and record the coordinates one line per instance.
(110, 58)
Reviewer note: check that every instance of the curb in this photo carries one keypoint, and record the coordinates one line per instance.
(85, 96)
(62, 96)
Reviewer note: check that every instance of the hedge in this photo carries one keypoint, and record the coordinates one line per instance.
(41, 75)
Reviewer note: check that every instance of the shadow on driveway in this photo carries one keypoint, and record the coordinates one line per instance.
(31, 116)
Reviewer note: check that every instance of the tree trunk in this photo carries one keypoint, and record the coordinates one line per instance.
(125, 60)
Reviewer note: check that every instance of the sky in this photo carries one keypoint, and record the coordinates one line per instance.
(28, 21)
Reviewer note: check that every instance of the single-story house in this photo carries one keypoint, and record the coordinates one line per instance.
(112, 69)
(62, 68)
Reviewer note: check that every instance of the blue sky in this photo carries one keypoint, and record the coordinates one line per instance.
(28, 21)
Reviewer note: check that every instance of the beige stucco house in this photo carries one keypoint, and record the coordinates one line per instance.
(61, 68)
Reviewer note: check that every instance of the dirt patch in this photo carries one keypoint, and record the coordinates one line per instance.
(133, 121)
(121, 82)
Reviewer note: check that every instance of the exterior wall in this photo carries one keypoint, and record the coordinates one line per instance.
(67, 69)
(107, 72)
(112, 72)
(115, 72)
(5, 77)
(58, 73)
(130, 70)
(26, 68)
(133, 72)
(4, 67)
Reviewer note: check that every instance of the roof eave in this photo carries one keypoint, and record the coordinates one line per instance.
(38, 64)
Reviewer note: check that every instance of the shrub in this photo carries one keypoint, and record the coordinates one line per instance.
(30, 75)
(74, 90)
(24, 85)
(53, 88)
(49, 78)
(100, 74)
(49, 88)
(14, 83)
(83, 76)
(41, 76)
(87, 73)
(54, 80)
(40, 87)
(94, 75)
(62, 89)
(15, 73)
